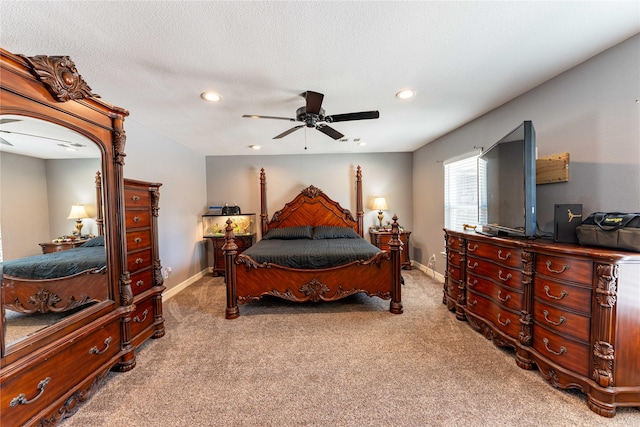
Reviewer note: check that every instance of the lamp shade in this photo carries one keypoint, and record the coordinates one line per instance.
(379, 204)
(77, 212)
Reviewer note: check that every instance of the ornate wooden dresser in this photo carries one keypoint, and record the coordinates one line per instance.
(571, 311)
(141, 201)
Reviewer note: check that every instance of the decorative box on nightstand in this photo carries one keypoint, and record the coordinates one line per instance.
(244, 230)
(381, 238)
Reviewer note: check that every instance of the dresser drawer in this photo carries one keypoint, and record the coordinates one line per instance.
(141, 281)
(454, 258)
(504, 320)
(562, 321)
(136, 197)
(50, 378)
(138, 260)
(506, 256)
(453, 242)
(563, 351)
(454, 273)
(143, 316)
(136, 219)
(138, 239)
(563, 295)
(506, 297)
(575, 270)
(502, 275)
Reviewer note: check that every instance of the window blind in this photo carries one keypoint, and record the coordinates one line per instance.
(461, 193)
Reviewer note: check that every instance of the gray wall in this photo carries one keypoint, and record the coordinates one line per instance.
(155, 158)
(590, 111)
(236, 179)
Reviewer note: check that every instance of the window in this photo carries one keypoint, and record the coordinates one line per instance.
(461, 192)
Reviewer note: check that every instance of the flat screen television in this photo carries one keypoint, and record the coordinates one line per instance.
(507, 184)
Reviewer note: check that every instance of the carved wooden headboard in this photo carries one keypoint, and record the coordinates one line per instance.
(312, 207)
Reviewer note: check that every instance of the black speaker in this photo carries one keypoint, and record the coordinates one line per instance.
(565, 220)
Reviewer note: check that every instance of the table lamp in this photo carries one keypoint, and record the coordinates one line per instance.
(77, 212)
(380, 205)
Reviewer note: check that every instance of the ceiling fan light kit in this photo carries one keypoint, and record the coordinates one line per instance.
(312, 115)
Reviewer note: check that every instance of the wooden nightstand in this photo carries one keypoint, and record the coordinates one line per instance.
(381, 240)
(49, 247)
(243, 242)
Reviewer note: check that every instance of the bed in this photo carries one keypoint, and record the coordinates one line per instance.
(59, 281)
(312, 250)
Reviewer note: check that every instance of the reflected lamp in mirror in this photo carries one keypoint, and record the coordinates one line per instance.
(78, 213)
(379, 204)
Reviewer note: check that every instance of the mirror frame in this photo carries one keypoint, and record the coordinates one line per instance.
(49, 88)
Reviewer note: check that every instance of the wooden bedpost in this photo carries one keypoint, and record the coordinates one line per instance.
(395, 246)
(230, 249)
(359, 207)
(99, 212)
(264, 216)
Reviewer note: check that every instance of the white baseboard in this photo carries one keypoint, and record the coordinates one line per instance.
(166, 295)
(428, 271)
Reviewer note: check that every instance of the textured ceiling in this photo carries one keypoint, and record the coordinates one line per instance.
(462, 58)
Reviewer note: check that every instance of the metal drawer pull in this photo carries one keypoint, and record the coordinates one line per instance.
(557, 353)
(474, 302)
(546, 317)
(94, 349)
(135, 198)
(144, 317)
(139, 260)
(21, 399)
(475, 282)
(506, 322)
(505, 299)
(475, 264)
(137, 239)
(140, 283)
(451, 256)
(565, 267)
(136, 219)
(472, 249)
(562, 294)
(504, 279)
(505, 257)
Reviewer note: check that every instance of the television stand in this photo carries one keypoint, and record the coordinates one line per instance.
(570, 311)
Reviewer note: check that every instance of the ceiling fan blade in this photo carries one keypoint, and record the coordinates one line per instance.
(253, 116)
(314, 102)
(329, 131)
(363, 115)
(285, 133)
(35, 136)
(5, 121)
(5, 142)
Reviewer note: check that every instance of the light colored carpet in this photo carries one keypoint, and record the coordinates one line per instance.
(350, 363)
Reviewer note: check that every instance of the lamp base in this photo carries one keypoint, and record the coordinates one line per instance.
(380, 217)
(78, 230)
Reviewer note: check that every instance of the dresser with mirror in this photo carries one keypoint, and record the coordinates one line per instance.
(63, 326)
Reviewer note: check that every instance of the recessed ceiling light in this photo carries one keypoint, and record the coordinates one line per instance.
(255, 147)
(406, 94)
(211, 96)
(362, 143)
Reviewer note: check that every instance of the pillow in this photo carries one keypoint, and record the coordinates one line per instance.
(334, 232)
(95, 241)
(289, 233)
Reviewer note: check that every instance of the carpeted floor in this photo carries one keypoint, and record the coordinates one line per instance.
(350, 363)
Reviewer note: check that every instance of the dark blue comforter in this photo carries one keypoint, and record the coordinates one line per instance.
(311, 254)
(56, 264)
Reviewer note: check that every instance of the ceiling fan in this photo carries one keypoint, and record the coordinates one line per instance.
(313, 116)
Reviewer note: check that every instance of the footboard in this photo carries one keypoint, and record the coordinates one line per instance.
(247, 280)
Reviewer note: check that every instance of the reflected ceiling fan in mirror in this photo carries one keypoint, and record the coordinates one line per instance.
(64, 143)
(312, 115)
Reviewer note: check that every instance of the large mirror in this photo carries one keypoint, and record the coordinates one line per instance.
(52, 249)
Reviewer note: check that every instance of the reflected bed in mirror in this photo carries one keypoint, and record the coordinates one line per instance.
(44, 169)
